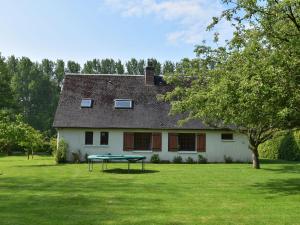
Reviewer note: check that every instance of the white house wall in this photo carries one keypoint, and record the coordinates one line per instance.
(215, 147)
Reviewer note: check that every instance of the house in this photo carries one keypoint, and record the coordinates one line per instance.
(120, 114)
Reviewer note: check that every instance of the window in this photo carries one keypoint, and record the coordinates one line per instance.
(104, 138)
(227, 136)
(86, 103)
(123, 104)
(88, 138)
(142, 141)
(186, 142)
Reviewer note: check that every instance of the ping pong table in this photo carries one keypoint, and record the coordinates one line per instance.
(105, 159)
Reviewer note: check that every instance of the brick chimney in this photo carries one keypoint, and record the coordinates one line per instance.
(149, 74)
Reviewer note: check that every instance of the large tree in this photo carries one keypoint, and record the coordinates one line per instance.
(132, 66)
(253, 82)
(73, 67)
(168, 67)
(6, 95)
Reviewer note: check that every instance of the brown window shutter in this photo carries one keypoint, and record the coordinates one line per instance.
(173, 142)
(128, 141)
(201, 142)
(156, 142)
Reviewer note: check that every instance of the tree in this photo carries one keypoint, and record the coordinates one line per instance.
(141, 66)
(253, 82)
(59, 73)
(119, 67)
(108, 66)
(6, 97)
(14, 132)
(88, 67)
(73, 67)
(168, 67)
(132, 67)
(156, 65)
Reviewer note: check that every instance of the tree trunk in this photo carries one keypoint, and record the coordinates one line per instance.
(255, 158)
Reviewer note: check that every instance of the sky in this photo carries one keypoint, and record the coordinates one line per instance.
(81, 30)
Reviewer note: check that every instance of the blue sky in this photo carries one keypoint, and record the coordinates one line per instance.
(120, 29)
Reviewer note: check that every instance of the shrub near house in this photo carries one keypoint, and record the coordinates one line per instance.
(285, 145)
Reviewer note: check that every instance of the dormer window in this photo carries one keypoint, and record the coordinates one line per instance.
(123, 104)
(86, 103)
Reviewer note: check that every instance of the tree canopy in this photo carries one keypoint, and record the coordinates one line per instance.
(251, 83)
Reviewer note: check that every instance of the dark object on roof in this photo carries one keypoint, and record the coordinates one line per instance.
(147, 113)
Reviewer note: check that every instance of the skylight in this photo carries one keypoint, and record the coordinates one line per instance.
(123, 104)
(86, 103)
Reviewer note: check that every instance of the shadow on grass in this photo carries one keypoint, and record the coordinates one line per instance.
(131, 171)
(283, 186)
(291, 168)
(41, 165)
(278, 161)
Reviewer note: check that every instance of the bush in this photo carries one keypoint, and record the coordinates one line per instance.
(177, 159)
(202, 159)
(155, 158)
(61, 152)
(189, 160)
(228, 159)
(284, 145)
(53, 144)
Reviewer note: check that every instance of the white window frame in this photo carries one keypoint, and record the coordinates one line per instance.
(85, 104)
(123, 100)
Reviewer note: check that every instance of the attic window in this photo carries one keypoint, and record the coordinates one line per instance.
(86, 103)
(123, 104)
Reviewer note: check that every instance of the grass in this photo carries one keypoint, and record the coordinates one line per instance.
(40, 192)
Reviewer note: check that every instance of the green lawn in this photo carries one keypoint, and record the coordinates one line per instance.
(40, 192)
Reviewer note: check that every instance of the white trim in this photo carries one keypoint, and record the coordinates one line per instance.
(101, 146)
(223, 140)
(143, 151)
(187, 152)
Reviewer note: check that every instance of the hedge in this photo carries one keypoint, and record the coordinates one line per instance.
(285, 145)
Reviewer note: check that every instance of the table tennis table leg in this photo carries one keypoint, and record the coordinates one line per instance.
(102, 165)
(90, 162)
(128, 166)
(143, 165)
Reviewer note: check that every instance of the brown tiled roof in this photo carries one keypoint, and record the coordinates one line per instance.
(147, 112)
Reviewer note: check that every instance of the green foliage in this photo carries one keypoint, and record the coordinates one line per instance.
(132, 66)
(189, 160)
(157, 66)
(177, 159)
(253, 81)
(61, 153)
(73, 67)
(14, 133)
(155, 158)
(119, 67)
(285, 145)
(168, 67)
(6, 97)
(53, 144)
(202, 159)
